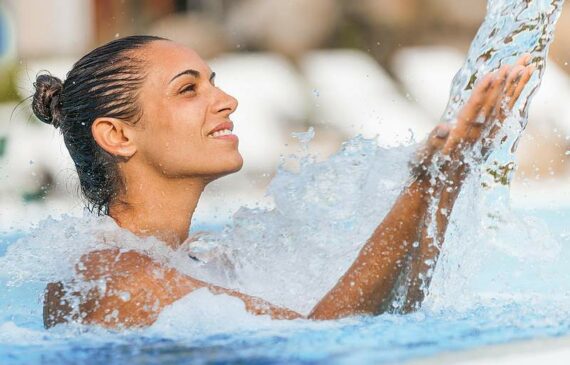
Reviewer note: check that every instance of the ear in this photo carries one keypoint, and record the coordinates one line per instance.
(114, 136)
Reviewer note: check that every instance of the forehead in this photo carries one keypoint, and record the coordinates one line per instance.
(165, 59)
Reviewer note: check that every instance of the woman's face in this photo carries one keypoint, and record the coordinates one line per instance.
(185, 129)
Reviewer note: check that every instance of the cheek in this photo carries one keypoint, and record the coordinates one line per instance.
(173, 139)
(179, 124)
(176, 144)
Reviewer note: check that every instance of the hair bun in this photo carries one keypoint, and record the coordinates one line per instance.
(46, 101)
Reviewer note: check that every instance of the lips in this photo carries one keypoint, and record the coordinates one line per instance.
(222, 129)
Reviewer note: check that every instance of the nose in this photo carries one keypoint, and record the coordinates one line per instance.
(225, 103)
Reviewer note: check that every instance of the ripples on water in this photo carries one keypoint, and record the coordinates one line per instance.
(496, 281)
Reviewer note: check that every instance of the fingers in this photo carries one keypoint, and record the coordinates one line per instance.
(518, 79)
(523, 80)
(502, 105)
(524, 60)
(494, 95)
(480, 107)
(509, 84)
(469, 114)
(513, 81)
(476, 101)
(492, 98)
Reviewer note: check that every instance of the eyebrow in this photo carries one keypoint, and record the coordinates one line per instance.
(192, 73)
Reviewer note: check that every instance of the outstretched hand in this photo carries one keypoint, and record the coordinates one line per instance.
(493, 98)
(480, 119)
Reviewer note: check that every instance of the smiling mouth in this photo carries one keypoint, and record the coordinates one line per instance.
(220, 133)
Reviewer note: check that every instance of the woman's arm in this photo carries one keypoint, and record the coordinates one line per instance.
(369, 282)
(445, 191)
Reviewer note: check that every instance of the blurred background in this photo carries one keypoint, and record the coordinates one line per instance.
(381, 68)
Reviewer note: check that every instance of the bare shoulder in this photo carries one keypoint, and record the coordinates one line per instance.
(136, 288)
(128, 289)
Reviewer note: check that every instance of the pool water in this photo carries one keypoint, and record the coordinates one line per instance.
(520, 307)
(386, 339)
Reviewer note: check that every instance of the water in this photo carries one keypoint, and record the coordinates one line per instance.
(202, 328)
(502, 276)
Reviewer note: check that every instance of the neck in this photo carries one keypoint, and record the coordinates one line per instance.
(158, 206)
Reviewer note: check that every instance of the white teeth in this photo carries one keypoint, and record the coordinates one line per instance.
(223, 132)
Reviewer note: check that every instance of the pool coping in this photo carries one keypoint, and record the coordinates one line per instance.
(545, 350)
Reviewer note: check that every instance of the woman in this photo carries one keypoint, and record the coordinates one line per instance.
(148, 129)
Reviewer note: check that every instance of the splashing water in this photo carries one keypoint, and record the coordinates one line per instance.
(510, 29)
(293, 253)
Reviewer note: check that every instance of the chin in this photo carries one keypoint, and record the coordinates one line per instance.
(236, 166)
(229, 167)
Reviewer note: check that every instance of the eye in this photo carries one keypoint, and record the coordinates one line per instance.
(188, 88)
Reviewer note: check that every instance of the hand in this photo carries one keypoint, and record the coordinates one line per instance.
(487, 108)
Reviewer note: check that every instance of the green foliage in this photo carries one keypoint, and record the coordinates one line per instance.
(3, 142)
(38, 195)
(8, 90)
(501, 174)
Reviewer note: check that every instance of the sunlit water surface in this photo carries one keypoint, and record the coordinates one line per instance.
(502, 275)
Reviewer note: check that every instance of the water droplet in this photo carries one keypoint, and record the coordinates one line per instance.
(304, 137)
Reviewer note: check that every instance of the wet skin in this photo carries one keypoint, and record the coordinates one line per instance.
(171, 154)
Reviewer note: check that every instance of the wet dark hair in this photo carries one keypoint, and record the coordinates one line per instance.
(103, 83)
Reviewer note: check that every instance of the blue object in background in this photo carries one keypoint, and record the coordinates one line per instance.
(3, 33)
(7, 41)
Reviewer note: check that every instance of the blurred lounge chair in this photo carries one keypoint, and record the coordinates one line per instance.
(426, 73)
(354, 94)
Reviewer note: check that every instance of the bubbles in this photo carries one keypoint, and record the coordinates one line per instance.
(304, 138)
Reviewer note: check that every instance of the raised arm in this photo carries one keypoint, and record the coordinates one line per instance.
(508, 87)
(368, 285)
